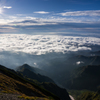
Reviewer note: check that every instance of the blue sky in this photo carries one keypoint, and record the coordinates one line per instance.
(60, 17)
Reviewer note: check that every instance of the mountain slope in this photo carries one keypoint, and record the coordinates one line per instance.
(44, 82)
(12, 83)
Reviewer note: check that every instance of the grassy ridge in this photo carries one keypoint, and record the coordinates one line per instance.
(11, 82)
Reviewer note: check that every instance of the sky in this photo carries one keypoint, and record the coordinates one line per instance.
(50, 17)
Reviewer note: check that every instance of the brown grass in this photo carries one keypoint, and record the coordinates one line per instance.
(27, 91)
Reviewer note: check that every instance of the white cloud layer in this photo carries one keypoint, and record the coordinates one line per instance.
(40, 44)
(41, 12)
(82, 13)
(7, 7)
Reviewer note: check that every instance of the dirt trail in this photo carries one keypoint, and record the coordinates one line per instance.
(5, 96)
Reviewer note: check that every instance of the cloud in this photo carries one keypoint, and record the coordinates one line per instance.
(82, 13)
(17, 49)
(41, 12)
(50, 26)
(79, 62)
(34, 26)
(7, 7)
(25, 21)
(42, 44)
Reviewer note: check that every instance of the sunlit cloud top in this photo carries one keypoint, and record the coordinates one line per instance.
(41, 44)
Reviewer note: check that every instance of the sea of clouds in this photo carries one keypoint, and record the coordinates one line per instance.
(41, 44)
(39, 50)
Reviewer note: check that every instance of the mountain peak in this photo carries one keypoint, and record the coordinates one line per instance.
(26, 65)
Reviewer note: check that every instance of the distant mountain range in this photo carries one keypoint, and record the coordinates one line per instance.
(77, 62)
(61, 70)
(81, 60)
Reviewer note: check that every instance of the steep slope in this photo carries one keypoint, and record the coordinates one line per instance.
(87, 77)
(10, 82)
